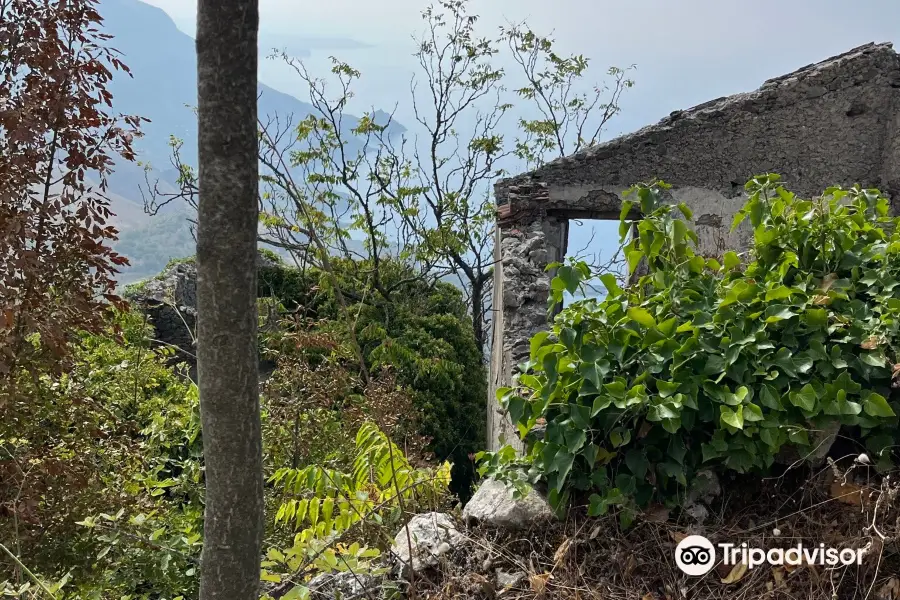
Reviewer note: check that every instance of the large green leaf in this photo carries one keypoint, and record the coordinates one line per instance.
(637, 463)
(731, 260)
(876, 405)
(804, 398)
(538, 340)
(667, 388)
(779, 292)
(733, 418)
(516, 407)
(641, 316)
(770, 398)
(752, 413)
(612, 286)
(570, 277)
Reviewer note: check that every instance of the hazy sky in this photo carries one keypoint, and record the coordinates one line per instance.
(686, 51)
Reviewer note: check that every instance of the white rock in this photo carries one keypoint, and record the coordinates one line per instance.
(425, 538)
(698, 512)
(508, 580)
(704, 489)
(494, 505)
(342, 585)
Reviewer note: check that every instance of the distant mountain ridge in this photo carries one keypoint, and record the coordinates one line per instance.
(163, 88)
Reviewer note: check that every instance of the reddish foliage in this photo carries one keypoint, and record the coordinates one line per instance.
(317, 383)
(56, 136)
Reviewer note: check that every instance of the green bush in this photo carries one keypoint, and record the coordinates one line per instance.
(112, 453)
(421, 334)
(707, 365)
(121, 429)
(106, 459)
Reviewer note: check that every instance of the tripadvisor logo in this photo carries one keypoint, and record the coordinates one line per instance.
(695, 555)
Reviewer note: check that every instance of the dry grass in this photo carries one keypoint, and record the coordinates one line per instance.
(586, 558)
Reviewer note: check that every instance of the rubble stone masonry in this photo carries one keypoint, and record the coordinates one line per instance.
(836, 122)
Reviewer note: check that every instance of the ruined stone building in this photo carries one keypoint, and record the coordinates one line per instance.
(836, 122)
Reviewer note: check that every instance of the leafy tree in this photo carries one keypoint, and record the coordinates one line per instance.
(569, 119)
(702, 365)
(226, 298)
(58, 145)
(358, 191)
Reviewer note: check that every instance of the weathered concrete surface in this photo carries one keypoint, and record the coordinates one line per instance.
(834, 122)
(170, 302)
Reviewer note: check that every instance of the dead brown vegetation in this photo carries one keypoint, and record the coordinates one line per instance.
(583, 558)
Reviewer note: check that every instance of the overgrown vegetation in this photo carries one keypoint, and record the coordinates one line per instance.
(359, 191)
(375, 407)
(703, 365)
(121, 428)
(118, 433)
(324, 505)
(422, 336)
(103, 468)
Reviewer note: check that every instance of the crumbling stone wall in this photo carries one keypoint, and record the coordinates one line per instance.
(833, 122)
(170, 302)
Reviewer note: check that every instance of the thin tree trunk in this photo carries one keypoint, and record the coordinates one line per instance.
(226, 298)
(477, 308)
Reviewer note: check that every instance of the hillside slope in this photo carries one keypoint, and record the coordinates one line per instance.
(163, 88)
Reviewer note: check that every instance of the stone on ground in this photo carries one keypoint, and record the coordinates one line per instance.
(493, 504)
(425, 539)
(342, 585)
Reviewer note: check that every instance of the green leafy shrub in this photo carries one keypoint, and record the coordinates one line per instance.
(117, 433)
(137, 530)
(421, 333)
(102, 463)
(705, 365)
(315, 401)
(344, 518)
(330, 501)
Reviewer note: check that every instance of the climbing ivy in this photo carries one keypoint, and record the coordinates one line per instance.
(713, 364)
